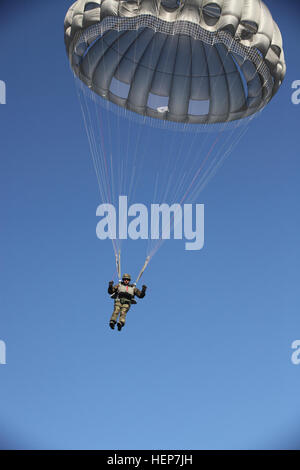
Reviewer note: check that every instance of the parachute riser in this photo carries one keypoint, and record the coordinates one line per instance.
(142, 270)
(118, 266)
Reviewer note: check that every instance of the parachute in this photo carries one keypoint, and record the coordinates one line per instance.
(183, 78)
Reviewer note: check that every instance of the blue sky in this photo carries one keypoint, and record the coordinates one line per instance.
(204, 361)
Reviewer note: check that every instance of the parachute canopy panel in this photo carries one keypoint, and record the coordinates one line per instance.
(190, 61)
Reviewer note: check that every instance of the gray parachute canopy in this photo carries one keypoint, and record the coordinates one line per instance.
(191, 61)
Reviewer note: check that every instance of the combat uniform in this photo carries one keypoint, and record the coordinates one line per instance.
(124, 298)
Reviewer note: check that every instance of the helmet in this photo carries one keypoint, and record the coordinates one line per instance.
(126, 276)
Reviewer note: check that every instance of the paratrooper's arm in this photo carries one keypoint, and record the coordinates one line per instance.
(140, 293)
(111, 288)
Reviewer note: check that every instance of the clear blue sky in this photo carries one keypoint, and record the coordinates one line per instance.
(204, 361)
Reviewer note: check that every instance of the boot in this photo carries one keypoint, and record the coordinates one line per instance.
(120, 326)
(112, 324)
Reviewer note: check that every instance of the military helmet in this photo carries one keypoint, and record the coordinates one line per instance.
(126, 276)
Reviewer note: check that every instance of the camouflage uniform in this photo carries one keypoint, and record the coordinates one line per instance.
(124, 297)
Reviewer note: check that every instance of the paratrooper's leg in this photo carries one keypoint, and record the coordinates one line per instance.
(123, 313)
(114, 317)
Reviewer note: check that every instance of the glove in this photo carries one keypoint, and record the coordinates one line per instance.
(144, 287)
